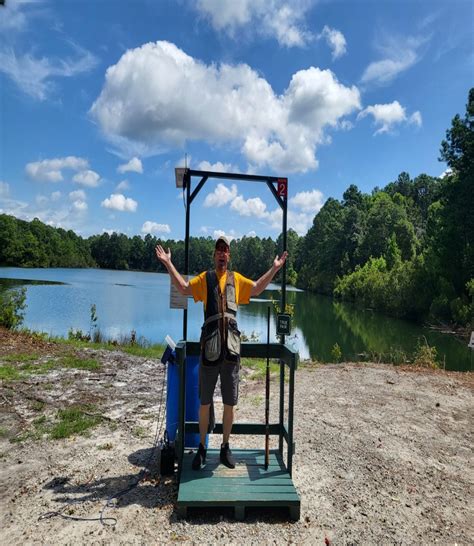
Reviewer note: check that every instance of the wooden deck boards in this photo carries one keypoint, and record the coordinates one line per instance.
(248, 484)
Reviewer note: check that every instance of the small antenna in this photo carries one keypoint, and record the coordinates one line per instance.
(185, 160)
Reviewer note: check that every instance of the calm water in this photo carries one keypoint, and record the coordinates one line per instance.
(129, 301)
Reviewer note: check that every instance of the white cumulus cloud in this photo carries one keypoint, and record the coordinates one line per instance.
(79, 206)
(253, 206)
(117, 201)
(134, 165)
(50, 170)
(217, 167)
(387, 116)
(335, 40)
(308, 201)
(219, 233)
(55, 196)
(77, 195)
(220, 196)
(220, 104)
(280, 19)
(87, 178)
(153, 227)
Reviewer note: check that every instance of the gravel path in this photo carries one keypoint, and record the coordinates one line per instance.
(383, 456)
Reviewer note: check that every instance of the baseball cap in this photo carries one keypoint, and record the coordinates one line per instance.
(224, 239)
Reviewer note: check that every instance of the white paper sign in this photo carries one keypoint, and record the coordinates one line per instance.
(471, 343)
(177, 300)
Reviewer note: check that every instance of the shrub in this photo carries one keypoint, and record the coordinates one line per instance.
(336, 352)
(425, 356)
(12, 306)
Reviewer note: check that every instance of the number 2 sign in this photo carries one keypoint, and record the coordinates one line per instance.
(282, 187)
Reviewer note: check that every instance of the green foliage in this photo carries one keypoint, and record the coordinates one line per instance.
(289, 307)
(12, 306)
(258, 367)
(336, 353)
(408, 249)
(425, 356)
(34, 244)
(78, 335)
(151, 351)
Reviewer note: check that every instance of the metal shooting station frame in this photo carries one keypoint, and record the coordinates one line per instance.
(213, 485)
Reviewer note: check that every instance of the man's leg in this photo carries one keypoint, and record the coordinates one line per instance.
(227, 422)
(204, 421)
(230, 395)
(207, 382)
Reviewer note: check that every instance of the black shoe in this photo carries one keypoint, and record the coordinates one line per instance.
(200, 458)
(226, 456)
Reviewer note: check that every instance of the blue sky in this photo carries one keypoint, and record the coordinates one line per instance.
(101, 100)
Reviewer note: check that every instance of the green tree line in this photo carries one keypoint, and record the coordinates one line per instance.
(406, 249)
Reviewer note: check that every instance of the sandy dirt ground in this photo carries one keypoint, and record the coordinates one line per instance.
(383, 456)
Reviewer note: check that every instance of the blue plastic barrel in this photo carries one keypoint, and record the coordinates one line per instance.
(192, 399)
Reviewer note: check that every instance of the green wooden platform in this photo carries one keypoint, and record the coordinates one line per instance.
(247, 485)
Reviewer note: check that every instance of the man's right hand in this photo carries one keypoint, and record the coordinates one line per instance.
(162, 255)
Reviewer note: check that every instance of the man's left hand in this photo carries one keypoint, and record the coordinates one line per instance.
(279, 261)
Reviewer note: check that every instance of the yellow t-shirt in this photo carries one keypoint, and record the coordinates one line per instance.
(243, 287)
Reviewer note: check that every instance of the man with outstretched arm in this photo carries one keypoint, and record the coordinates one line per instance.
(221, 291)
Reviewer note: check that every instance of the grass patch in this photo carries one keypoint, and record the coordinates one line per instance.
(394, 356)
(153, 351)
(3, 432)
(137, 348)
(26, 367)
(37, 405)
(9, 372)
(20, 357)
(259, 367)
(67, 422)
(256, 400)
(140, 432)
(73, 420)
(81, 344)
(78, 363)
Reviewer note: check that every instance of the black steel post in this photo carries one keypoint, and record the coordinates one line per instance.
(187, 182)
(291, 402)
(283, 273)
(283, 310)
(267, 395)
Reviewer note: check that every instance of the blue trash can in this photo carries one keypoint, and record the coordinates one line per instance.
(192, 399)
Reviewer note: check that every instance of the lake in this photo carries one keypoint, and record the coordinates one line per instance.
(129, 300)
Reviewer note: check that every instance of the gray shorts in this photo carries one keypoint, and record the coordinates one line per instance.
(208, 375)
